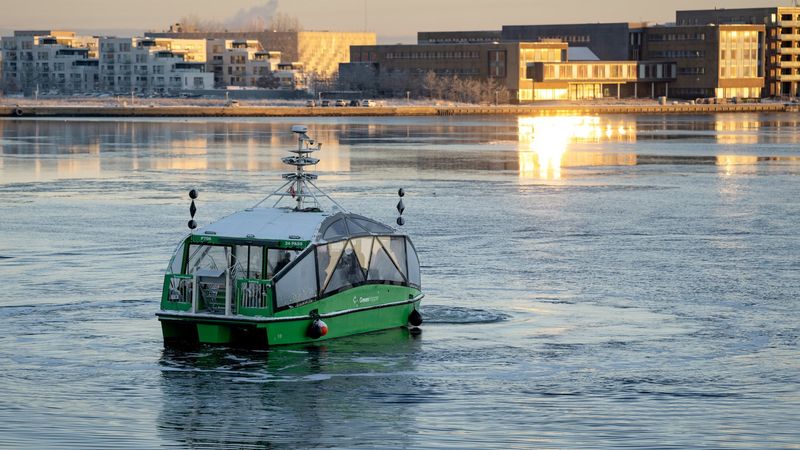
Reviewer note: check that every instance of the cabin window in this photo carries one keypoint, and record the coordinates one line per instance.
(348, 271)
(413, 264)
(277, 259)
(396, 248)
(299, 283)
(355, 228)
(336, 230)
(176, 263)
(370, 226)
(363, 249)
(381, 266)
(213, 257)
(248, 262)
(327, 257)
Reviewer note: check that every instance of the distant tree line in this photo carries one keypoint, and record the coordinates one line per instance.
(425, 85)
(277, 22)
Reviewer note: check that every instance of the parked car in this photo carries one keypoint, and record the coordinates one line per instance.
(354, 103)
(340, 102)
(311, 103)
(326, 103)
(368, 103)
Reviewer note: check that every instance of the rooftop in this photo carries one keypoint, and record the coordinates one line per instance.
(288, 224)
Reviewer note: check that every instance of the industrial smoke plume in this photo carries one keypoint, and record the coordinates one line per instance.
(256, 18)
(259, 15)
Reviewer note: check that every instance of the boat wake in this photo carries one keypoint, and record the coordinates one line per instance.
(441, 314)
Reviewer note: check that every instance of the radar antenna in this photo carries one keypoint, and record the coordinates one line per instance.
(300, 185)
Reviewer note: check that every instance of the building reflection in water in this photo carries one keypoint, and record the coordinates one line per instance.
(733, 130)
(38, 150)
(542, 146)
(544, 143)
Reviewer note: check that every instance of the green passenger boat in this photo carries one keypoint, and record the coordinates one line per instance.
(290, 274)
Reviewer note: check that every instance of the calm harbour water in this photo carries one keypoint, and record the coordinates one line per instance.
(621, 281)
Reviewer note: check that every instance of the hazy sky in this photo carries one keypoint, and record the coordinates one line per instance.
(391, 19)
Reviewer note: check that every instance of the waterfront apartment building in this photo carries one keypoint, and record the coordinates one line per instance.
(319, 52)
(609, 41)
(723, 61)
(782, 43)
(241, 63)
(582, 80)
(48, 60)
(149, 66)
(396, 66)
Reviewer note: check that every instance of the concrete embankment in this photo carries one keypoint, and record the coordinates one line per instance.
(288, 111)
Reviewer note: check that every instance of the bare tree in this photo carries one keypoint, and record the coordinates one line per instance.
(268, 81)
(254, 24)
(359, 77)
(284, 22)
(194, 24)
(430, 84)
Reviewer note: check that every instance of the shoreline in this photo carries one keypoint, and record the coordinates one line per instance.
(26, 111)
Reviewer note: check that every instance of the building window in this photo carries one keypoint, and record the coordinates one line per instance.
(497, 63)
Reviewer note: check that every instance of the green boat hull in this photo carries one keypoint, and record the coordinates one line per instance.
(362, 309)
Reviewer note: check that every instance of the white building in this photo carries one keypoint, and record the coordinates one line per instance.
(241, 63)
(60, 62)
(49, 61)
(291, 76)
(153, 65)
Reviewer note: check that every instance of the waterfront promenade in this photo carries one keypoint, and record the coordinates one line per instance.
(172, 110)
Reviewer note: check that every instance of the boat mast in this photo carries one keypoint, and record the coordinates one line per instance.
(299, 189)
(299, 184)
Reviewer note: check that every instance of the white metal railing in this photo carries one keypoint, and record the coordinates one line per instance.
(180, 289)
(253, 293)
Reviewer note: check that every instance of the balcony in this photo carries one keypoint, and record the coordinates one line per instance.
(790, 37)
(789, 23)
(788, 78)
(789, 51)
(789, 64)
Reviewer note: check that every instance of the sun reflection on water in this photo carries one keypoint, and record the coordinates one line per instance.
(544, 141)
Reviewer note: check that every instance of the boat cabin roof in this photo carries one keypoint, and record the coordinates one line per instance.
(288, 224)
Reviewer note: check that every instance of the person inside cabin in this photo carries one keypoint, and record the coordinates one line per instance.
(283, 262)
(349, 264)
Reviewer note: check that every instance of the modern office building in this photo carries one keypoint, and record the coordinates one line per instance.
(37, 61)
(609, 41)
(723, 61)
(320, 52)
(396, 66)
(570, 80)
(240, 63)
(782, 43)
(458, 37)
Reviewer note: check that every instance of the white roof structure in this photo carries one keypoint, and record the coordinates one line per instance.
(581, 54)
(288, 224)
(267, 224)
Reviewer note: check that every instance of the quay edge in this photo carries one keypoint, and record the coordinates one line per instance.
(284, 111)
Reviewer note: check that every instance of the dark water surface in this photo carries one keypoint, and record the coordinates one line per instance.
(624, 281)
